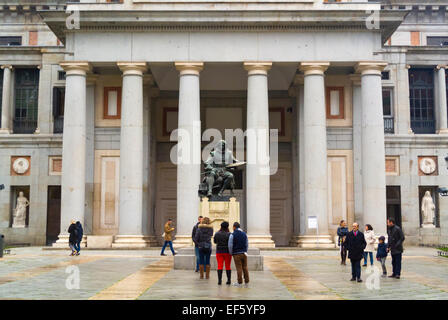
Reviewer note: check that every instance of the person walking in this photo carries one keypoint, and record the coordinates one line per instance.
(221, 238)
(395, 246)
(381, 254)
(168, 237)
(196, 248)
(80, 233)
(342, 233)
(203, 238)
(238, 246)
(355, 243)
(370, 244)
(73, 237)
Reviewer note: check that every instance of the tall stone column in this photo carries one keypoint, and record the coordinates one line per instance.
(373, 152)
(130, 229)
(188, 150)
(258, 173)
(73, 181)
(403, 115)
(442, 105)
(315, 155)
(6, 100)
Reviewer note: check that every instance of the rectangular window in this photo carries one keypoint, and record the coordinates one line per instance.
(437, 41)
(112, 102)
(387, 102)
(1, 93)
(421, 98)
(26, 95)
(58, 109)
(61, 75)
(385, 75)
(335, 102)
(10, 41)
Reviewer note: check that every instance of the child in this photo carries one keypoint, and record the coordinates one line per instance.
(381, 254)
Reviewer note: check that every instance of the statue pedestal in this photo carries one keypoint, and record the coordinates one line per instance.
(220, 211)
(429, 236)
(428, 226)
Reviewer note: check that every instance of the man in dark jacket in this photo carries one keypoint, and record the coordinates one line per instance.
(238, 245)
(196, 248)
(80, 233)
(395, 246)
(355, 244)
(73, 237)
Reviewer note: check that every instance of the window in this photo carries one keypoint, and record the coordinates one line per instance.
(421, 95)
(10, 41)
(335, 102)
(437, 41)
(388, 110)
(112, 103)
(1, 93)
(58, 109)
(61, 75)
(26, 94)
(385, 75)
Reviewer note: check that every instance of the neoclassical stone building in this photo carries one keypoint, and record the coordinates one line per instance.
(92, 90)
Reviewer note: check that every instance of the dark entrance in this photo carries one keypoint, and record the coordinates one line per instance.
(53, 213)
(393, 195)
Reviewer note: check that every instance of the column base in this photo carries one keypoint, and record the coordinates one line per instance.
(5, 131)
(261, 241)
(442, 131)
(182, 241)
(134, 241)
(315, 242)
(62, 242)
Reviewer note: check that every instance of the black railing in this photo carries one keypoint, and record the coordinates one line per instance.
(24, 126)
(423, 126)
(388, 125)
(58, 126)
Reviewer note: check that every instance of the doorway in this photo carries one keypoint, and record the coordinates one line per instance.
(393, 195)
(53, 214)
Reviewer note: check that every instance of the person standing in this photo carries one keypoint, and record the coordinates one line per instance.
(355, 243)
(203, 238)
(168, 237)
(80, 233)
(221, 238)
(370, 244)
(381, 254)
(238, 246)
(395, 246)
(73, 237)
(196, 248)
(342, 233)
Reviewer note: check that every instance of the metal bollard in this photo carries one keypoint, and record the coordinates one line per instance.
(2, 245)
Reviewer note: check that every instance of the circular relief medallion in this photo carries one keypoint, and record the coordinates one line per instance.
(427, 165)
(20, 165)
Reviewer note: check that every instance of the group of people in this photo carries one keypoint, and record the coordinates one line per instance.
(228, 245)
(75, 232)
(362, 246)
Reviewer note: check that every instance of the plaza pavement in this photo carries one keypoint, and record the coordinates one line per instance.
(33, 273)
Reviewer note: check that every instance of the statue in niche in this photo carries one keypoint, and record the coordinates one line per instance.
(19, 215)
(428, 211)
(218, 175)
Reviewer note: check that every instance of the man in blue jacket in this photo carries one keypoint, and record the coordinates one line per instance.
(238, 245)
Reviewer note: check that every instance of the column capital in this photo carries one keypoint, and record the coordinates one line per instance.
(75, 67)
(370, 67)
(255, 67)
(7, 66)
(441, 66)
(356, 79)
(193, 68)
(132, 68)
(317, 67)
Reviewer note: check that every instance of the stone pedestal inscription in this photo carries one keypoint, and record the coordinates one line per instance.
(219, 211)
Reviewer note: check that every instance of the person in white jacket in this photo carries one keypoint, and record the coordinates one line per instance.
(370, 247)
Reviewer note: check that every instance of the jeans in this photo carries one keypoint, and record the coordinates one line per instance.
(241, 267)
(343, 253)
(77, 246)
(196, 253)
(356, 269)
(204, 256)
(164, 246)
(396, 264)
(224, 258)
(365, 258)
(72, 246)
(383, 264)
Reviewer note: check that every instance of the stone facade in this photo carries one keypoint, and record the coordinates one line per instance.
(123, 84)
